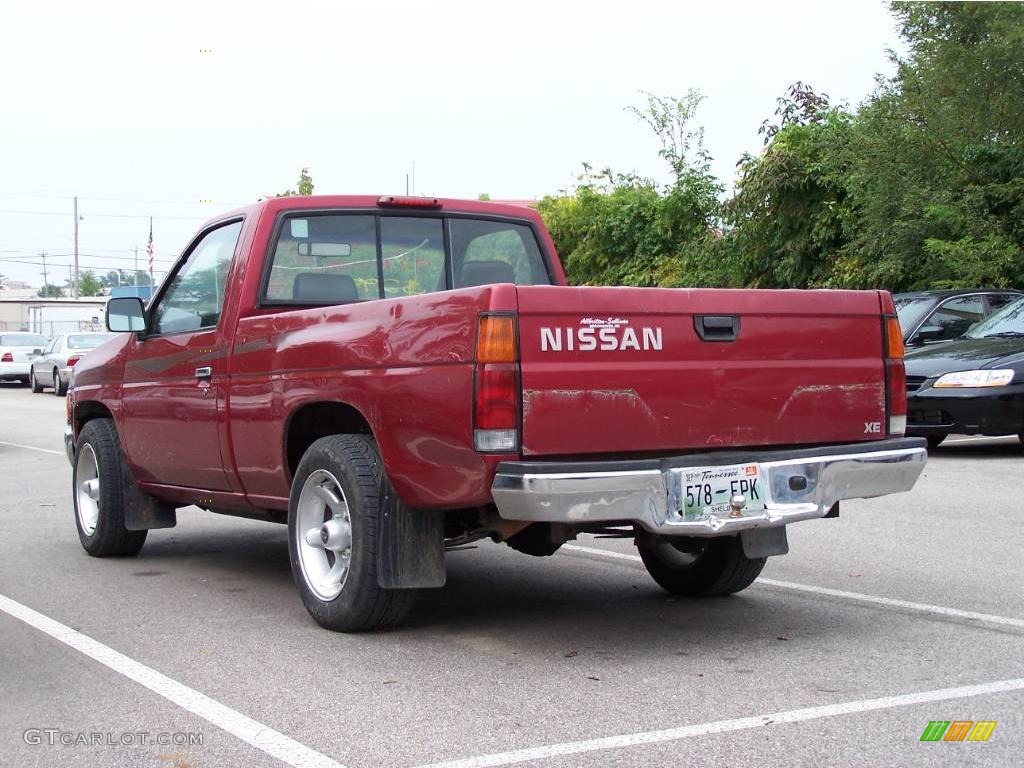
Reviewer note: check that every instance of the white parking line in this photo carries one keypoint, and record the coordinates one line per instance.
(724, 726)
(888, 602)
(32, 448)
(266, 739)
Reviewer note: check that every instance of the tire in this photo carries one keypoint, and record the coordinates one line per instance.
(99, 479)
(36, 386)
(697, 567)
(934, 441)
(60, 388)
(340, 481)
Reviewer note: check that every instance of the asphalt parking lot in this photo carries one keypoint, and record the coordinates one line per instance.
(905, 610)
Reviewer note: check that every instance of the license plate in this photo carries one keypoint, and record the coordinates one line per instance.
(706, 491)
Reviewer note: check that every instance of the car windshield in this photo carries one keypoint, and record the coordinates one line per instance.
(87, 340)
(1009, 321)
(910, 309)
(23, 340)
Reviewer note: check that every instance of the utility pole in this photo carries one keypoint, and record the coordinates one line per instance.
(46, 285)
(74, 282)
(136, 267)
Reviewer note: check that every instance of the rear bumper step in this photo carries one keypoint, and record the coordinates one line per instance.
(648, 492)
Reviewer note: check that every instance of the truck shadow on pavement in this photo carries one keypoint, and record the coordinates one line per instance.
(1011, 449)
(494, 594)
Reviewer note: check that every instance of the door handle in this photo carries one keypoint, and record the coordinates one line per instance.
(204, 373)
(717, 327)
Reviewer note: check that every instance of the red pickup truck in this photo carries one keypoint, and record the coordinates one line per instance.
(395, 376)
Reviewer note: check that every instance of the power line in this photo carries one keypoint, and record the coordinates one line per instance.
(104, 198)
(104, 215)
(88, 256)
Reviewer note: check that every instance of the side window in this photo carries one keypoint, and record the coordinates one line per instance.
(495, 252)
(997, 301)
(324, 260)
(955, 316)
(413, 255)
(195, 296)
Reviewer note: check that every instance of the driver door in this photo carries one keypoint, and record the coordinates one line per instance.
(175, 374)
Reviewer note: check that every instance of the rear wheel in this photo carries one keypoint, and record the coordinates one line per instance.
(60, 388)
(99, 479)
(699, 567)
(36, 386)
(934, 441)
(338, 497)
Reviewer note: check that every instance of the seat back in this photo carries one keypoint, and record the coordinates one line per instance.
(319, 288)
(485, 273)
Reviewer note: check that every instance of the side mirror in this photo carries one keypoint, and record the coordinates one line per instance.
(126, 313)
(37, 351)
(929, 333)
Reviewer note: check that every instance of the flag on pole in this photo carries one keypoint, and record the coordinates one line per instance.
(149, 250)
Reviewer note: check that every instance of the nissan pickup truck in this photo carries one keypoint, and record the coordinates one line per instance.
(393, 377)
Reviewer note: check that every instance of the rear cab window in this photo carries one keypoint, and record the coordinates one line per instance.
(337, 258)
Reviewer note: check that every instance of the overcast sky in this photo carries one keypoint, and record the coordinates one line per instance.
(147, 109)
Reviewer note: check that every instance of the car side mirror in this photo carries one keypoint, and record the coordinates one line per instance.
(126, 313)
(37, 351)
(929, 333)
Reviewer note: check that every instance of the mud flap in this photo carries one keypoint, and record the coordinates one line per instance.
(410, 552)
(142, 512)
(764, 542)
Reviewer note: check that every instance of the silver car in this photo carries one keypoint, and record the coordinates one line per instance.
(17, 351)
(53, 367)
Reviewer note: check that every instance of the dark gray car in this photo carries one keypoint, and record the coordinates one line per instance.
(931, 316)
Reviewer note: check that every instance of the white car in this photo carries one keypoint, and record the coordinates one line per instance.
(53, 367)
(17, 351)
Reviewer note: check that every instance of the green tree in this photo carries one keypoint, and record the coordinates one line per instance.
(50, 292)
(88, 284)
(791, 209)
(623, 229)
(304, 186)
(940, 153)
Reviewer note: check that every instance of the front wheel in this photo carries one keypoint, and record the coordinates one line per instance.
(335, 508)
(699, 567)
(99, 479)
(33, 382)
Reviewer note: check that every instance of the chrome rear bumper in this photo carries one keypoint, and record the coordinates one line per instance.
(798, 485)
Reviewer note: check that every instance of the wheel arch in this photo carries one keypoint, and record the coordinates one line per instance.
(313, 420)
(88, 410)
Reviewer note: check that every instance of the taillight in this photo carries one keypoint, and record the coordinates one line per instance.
(895, 376)
(496, 395)
(7, 358)
(73, 359)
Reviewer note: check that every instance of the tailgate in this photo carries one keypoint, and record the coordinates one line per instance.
(625, 370)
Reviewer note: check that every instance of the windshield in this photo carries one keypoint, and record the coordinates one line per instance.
(87, 340)
(1008, 321)
(23, 340)
(910, 309)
